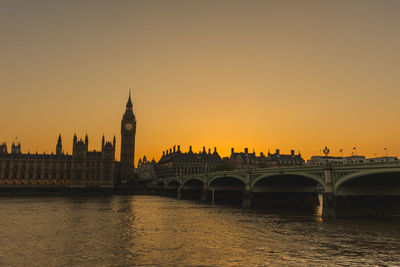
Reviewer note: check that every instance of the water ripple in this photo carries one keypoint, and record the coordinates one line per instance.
(157, 231)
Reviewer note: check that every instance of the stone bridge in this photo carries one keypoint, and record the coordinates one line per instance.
(365, 187)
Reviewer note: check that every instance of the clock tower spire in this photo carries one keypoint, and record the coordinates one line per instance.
(128, 132)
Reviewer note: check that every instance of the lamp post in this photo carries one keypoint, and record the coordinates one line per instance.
(386, 153)
(326, 152)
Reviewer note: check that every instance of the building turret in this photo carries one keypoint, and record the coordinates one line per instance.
(108, 150)
(59, 146)
(16, 148)
(3, 148)
(80, 148)
(86, 142)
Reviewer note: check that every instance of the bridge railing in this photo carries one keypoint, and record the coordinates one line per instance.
(395, 164)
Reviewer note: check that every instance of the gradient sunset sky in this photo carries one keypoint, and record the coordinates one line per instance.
(259, 74)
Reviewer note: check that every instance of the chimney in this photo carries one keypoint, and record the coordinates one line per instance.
(190, 148)
(277, 152)
(209, 151)
(204, 149)
(215, 149)
(174, 149)
(163, 153)
(179, 148)
(292, 152)
(246, 150)
(170, 151)
(232, 150)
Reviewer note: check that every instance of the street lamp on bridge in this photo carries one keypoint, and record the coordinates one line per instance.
(326, 152)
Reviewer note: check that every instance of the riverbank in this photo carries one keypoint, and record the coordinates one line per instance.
(62, 191)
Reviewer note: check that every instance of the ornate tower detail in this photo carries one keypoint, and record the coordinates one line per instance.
(128, 131)
(59, 146)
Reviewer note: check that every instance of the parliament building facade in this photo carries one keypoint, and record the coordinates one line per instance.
(82, 169)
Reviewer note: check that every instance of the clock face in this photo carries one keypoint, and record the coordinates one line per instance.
(128, 126)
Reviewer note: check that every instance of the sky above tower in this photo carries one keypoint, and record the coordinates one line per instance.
(258, 74)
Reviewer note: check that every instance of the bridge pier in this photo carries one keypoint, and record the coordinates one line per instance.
(164, 190)
(329, 205)
(204, 192)
(247, 196)
(329, 198)
(247, 193)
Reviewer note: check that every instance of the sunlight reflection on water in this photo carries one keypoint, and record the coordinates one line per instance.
(151, 230)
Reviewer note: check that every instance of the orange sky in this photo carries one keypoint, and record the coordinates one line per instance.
(258, 74)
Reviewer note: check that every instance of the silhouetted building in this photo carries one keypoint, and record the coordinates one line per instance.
(283, 160)
(243, 160)
(175, 163)
(83, 168)
(355, 159)
(128, 131)
(382, 159)
(3, 148)
(146, 170)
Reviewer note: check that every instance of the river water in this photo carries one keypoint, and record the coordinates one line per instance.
(160, 231)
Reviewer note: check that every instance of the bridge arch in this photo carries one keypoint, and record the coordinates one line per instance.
(160, 184)
(359, 174)
(173, 183)
(314, 177)
(236, 177)
(192, 179)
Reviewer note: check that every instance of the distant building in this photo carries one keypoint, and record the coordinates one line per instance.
(175, 163)
(125, 172)
(321, 160)
(382, 160)
(283, 160)
(355, 159)
(3, 148)
(243, 160)
(81, 169)
(146, 170)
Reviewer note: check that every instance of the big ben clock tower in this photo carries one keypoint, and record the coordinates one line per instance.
(128, 131)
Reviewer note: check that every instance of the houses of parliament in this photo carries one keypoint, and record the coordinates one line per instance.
(82, 169)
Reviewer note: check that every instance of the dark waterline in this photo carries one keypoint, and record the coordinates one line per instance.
(160, 231)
